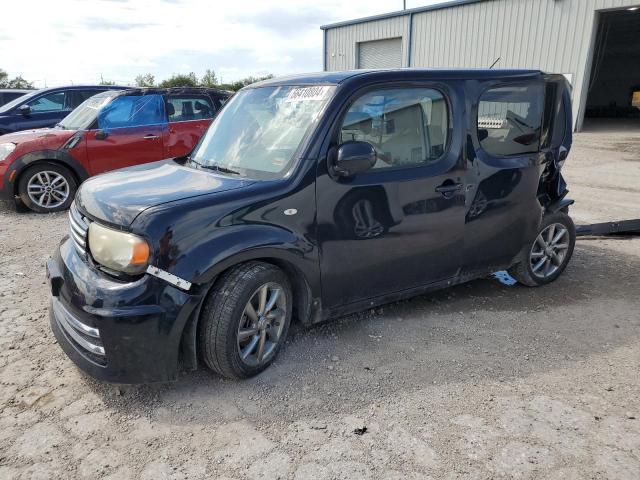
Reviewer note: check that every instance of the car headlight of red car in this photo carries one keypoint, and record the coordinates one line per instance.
(6, 149)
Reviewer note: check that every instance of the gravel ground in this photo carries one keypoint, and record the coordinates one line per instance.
(477, 381)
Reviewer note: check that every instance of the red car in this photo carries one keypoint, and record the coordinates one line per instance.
(115, 129)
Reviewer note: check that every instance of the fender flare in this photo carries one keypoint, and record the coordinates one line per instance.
(20, 164)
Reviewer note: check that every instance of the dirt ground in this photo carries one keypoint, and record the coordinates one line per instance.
(477, 381)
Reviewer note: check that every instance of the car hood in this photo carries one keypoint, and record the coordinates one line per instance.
(50, 138)
(118, 197)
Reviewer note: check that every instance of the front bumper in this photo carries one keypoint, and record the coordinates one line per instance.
(6, 190)
(121, 332)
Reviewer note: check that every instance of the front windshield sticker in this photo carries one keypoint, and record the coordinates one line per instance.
(304, 94)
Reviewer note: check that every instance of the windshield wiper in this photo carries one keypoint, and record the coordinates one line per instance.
(219, 168)
(212, 166)
(59, 125)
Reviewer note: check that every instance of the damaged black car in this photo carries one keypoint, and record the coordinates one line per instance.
(312, 197)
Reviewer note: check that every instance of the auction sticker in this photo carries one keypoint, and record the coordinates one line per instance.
(303, 94)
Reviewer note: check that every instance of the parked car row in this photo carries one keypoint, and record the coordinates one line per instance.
(108, 130)
(308, 198)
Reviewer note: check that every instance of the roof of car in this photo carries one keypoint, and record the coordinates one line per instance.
(176, 90)
(84, 87)
(339, 77)
(18, 90)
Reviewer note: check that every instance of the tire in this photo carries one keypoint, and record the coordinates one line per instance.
(226, 313)
(531, 270)
(47, 187)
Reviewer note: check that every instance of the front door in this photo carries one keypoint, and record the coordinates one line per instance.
(130, 132)
(44, 111)
(400, 224)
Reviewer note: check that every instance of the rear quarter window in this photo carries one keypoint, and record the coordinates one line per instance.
(510, 119)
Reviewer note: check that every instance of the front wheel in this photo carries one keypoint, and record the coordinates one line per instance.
(245, 320)
(47, 187)
(550, 252)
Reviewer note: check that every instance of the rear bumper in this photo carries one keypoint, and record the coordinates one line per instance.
(120, 332)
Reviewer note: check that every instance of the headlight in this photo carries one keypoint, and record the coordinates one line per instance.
(120, 251)
(6, 149)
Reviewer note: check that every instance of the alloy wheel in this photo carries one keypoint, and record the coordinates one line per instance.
(549, 250)
(48, 189)
(262, 323)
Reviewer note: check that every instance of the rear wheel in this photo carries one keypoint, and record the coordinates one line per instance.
(245, 320)
(550, 252)
(47, 187)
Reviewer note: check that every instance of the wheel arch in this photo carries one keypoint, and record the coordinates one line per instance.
(303, 305)
(56, 157)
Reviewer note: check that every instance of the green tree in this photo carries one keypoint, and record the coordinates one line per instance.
(209, 79)
(146, 80)
(16, 82)
(180, 80)
(238, 84)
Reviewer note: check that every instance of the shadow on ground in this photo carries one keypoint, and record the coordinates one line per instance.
(477, 332)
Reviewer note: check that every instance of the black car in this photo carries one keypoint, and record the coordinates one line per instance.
(308, 198)
(9, 94)
(46, 107)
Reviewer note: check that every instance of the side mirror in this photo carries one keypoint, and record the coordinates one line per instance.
(354, 157)
(24, 110)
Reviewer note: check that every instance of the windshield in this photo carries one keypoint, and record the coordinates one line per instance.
(259, 131)
(85, 114)
(18, 101)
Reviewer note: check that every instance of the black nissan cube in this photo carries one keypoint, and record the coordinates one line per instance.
(312, 197)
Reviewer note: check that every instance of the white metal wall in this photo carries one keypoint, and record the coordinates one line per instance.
(552, 35)
(342, 42)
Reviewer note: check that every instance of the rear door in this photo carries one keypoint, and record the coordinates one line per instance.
(189, 116)
(399, 225)
(503, 211)
(130, 132)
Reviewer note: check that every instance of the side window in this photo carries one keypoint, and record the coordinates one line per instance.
(82, 95)
(48, 103)
(184, 108)
(510, 119)
(406, 126)
(132, 111)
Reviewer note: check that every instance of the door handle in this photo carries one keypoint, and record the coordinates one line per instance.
(448, 188)
(150, 137)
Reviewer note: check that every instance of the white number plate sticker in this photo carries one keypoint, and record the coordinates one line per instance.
(304, 94)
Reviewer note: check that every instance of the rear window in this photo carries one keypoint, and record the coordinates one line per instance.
(510, 119)
(185, 108)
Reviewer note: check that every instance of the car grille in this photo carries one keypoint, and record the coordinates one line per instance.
(85, 338)
(79, 226)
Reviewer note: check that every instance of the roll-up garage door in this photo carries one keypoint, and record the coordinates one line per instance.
(380, 53)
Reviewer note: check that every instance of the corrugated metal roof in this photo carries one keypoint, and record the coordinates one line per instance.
(399, 13)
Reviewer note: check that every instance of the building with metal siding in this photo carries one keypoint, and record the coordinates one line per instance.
(557, 36)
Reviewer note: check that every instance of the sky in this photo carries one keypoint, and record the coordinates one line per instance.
(61, 42)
